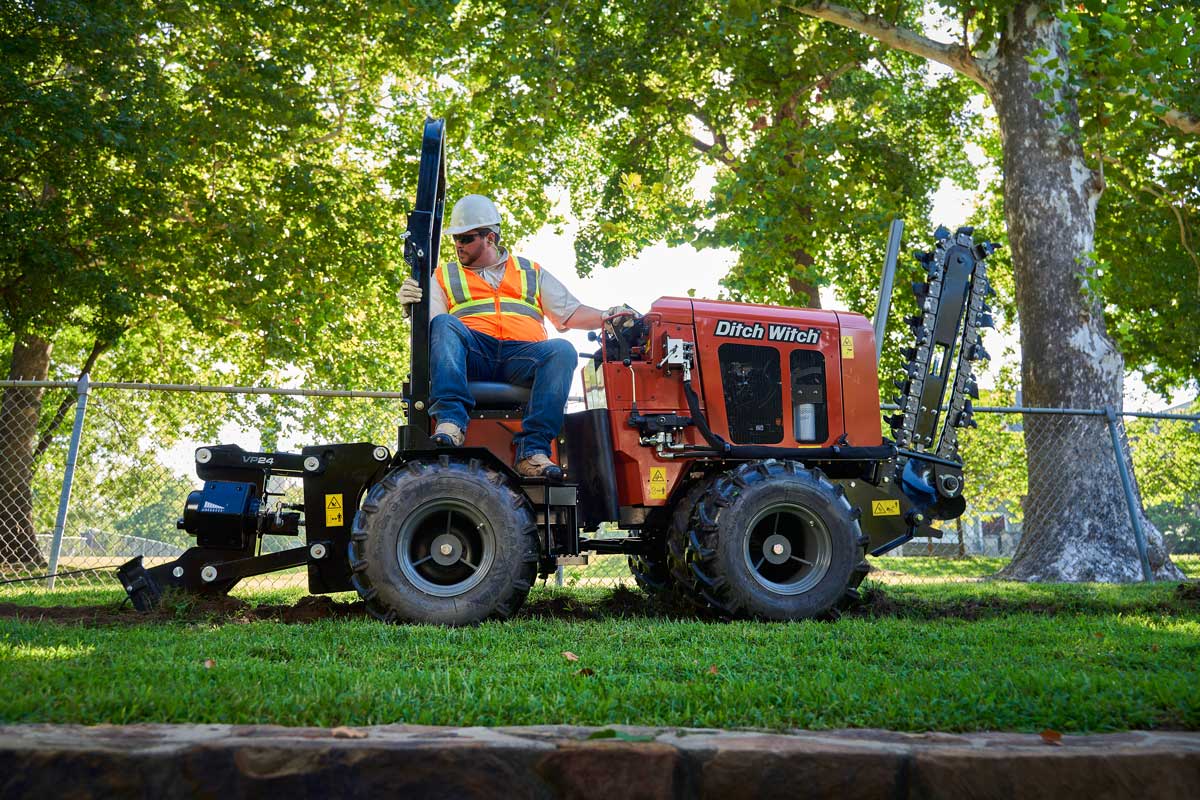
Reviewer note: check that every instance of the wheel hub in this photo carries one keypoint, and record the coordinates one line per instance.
(776, 549)
(445, 547)
(788, 548)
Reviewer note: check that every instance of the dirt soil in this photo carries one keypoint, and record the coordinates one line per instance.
(877, 603)
(622, 603)
(189, 609)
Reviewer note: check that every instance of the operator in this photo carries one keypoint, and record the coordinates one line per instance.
(486, 323)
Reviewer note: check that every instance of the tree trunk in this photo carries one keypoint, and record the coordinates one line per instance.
(1077, 525)
(20, 409)
(808, 293)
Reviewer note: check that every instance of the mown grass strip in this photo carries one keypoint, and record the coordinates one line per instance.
(1084, 673)
(1110, 658)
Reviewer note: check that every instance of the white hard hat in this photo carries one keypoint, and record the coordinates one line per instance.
(471, 212)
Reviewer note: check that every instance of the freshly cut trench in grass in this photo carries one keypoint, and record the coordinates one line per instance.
(923, 656)
(910, 601)
(889, 571)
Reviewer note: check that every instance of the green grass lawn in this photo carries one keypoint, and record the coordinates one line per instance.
(1190, 564)
(938, 655)
(932, 567)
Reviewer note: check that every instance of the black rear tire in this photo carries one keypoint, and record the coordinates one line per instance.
(772, 540)
(652, 571)
(446, 542)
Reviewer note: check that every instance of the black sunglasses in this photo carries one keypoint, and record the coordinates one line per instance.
(467, 238)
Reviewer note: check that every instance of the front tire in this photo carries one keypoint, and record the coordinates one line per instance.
(773, 540)
(447, 542)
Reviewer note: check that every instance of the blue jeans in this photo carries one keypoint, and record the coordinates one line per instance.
(458, 354)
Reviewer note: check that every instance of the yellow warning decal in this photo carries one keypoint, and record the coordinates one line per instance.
(847, 347)
(885, 508)
(658, 483)
(333, 511)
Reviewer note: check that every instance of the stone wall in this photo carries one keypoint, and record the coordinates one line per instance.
(168, 761)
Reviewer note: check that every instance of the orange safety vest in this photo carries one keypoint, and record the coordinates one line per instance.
(511, 311)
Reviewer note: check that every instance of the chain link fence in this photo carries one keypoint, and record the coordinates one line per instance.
(131, 468)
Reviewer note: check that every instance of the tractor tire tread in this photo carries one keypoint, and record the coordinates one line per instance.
(524, 564)
(693, 554)
(664, 573)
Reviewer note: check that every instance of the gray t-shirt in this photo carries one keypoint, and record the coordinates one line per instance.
(558, 303)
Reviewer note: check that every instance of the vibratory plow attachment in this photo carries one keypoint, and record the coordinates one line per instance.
(936, 393)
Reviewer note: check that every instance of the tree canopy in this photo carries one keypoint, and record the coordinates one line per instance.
(196, 190)
(810, 138)
(227, 169)
(186, 174)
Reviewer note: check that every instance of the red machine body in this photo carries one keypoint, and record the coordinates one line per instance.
(754, 366)
(738, 449)
(496, 434)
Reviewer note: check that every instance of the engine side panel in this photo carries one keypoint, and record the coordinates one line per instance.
(765, 376)
(730, 336)
(860, 381)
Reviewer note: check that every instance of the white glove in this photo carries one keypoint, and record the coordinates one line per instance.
(621, 311)
(410, 292)
(619, 317)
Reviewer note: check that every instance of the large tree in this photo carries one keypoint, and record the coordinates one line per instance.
(1064, 80)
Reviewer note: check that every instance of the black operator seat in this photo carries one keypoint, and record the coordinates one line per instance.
(496, 396)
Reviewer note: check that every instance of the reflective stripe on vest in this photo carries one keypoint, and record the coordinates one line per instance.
(513, 310)
(531, 288)
(489, 307)
(454, 280)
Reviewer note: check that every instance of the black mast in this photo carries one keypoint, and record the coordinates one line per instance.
(421, 253)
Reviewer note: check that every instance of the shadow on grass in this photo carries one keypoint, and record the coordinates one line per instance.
(879, 602)
(1054, 600)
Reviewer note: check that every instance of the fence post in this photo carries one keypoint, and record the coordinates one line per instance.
(1130, 500)
(64, 499)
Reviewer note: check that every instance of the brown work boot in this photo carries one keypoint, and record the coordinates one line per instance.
(447, 434)
(539, 465)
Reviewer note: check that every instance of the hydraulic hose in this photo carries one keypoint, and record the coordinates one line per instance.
(701, 422)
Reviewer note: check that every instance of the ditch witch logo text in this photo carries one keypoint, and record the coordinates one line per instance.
(773, 333)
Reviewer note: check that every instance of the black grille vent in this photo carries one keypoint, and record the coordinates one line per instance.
(751, 380)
